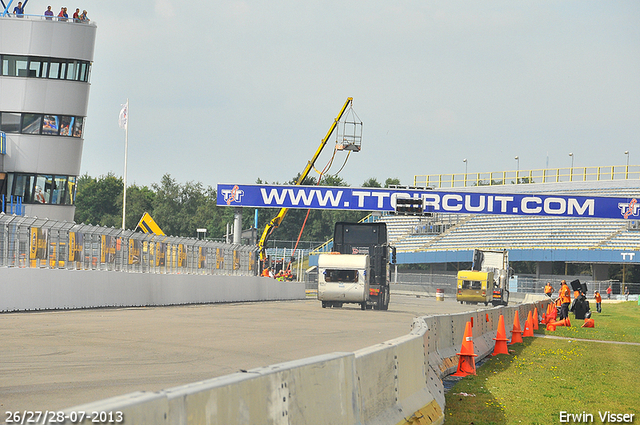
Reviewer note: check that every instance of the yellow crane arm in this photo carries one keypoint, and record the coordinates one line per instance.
(277, 220)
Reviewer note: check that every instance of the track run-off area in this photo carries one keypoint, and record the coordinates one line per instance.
(58, 359)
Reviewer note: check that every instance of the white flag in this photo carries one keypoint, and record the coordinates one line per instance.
(122, 119)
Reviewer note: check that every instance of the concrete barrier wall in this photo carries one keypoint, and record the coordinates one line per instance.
(45, 289)
(399, 381)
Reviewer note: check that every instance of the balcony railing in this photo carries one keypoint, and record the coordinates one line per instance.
(547, 175)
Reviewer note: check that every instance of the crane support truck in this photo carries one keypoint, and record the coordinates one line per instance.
(357, 271)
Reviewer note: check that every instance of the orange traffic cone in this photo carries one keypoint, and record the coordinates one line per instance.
(564, 322)
(536, 319)
(551, 327)
(487, 317)
(545, 316)
(516, 333)
(588, 323)
(466, 363)
(528, 327)
(553, 313)
(501, 339)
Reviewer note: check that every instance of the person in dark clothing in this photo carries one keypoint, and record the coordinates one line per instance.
(580, 307)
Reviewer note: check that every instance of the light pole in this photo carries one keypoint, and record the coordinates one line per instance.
(517, 158)
(626, 171)
(571, 170)
(465, 171)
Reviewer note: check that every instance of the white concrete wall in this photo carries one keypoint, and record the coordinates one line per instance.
(388, 383)
(44, 289)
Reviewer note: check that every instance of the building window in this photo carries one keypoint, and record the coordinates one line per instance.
(42, 188)
(66, 126)
(31, 123)
(54, 69)
(49, 125)
(77, 128)
(41, 67)
(23, 186)
(59, 190)
(10, 122)
(71, 191)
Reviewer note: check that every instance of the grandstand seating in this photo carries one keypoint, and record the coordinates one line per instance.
(462, 232)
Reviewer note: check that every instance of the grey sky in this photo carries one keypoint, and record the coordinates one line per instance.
(233, 91)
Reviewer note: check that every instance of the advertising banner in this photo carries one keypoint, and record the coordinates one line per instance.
(135, 248)
(75, 246)
(161, 251)
(182, 256)
(379, 199)
(236, 260)
(38, 245)
(202, 258)
(219, 258)
(108, 248)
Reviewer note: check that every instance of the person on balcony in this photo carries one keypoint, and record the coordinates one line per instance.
(18, 10)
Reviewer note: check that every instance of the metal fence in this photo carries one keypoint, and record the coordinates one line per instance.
(525, 284)
(41, 243)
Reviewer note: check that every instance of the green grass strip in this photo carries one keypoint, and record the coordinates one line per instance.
(544, 377)
(617, 322)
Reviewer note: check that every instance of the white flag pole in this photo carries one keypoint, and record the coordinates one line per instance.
(126, 148)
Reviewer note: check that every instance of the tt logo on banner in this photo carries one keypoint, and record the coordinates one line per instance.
(233, 195)
(629, 209)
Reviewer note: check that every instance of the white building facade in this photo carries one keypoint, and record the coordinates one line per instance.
(45, 69)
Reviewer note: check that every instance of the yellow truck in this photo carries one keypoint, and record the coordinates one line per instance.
(487, 281)
(474, 287)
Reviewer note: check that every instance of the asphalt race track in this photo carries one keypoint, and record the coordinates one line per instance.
(59, 359)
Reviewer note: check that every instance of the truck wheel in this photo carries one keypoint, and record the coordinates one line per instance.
(385, 300)
(324, 304)
(363, 306)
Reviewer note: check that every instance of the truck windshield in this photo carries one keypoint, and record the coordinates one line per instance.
(341, 276)
(471, 284)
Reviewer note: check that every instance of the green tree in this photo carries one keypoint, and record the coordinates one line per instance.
(99, 200)
(139, 201)
(371, 182)
(178, 209)
(391, 182)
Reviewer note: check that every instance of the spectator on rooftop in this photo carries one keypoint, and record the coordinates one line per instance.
(62, 16)
(84, 17)
(48, 13)
(18, 10)
(76, 15)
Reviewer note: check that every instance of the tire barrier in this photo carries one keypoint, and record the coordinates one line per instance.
(395, 382)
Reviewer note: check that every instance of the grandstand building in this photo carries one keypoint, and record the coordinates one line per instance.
(450, 238)
(45, 69)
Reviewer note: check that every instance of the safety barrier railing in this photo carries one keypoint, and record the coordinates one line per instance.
(546, 175)
(41, 243)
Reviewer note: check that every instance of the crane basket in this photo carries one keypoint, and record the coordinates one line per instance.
(349, 134)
